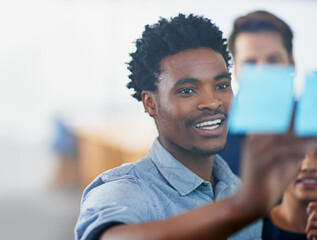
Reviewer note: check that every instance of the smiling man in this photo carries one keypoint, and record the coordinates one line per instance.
(191, 106)
(182, 189)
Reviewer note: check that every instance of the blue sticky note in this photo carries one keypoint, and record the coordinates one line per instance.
(306, 112)
(265, 100)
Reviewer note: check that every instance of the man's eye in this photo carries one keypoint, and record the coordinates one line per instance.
(223, 86)
(250, 61)
(186, 91)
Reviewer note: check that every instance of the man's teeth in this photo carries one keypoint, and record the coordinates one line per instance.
(211, 124)
(309, 181)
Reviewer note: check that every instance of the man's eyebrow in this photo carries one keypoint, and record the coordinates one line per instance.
(186, 80)
(275, 55)
(223, 75)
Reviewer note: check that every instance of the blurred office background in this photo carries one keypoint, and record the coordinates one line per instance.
(65, 113)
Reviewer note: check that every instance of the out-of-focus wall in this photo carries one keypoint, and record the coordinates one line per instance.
(57, 55)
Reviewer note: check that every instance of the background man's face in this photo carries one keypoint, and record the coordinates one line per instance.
(193, 98)
(264, 47)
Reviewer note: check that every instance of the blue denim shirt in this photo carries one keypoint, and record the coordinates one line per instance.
(156, 187)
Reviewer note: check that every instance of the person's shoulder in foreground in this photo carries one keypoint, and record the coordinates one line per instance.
(180, 73)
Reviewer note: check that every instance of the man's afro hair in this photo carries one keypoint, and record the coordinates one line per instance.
(167, 38)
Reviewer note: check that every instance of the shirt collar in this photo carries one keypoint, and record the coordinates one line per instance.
(222, 172)
(226, 182)
(183, 180)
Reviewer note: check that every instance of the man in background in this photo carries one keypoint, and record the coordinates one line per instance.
(260, 38)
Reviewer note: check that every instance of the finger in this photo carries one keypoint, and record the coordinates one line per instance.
(312, 221)
(311, 206)
(291, 127)
(312, 235)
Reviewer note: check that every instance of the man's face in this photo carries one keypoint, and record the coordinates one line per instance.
(264, 47)
(193, 98)
(304, 187)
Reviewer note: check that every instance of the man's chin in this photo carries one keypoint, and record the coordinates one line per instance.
(208, 152)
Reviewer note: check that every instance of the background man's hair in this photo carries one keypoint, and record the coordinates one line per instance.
(166, 38)
(258, 21)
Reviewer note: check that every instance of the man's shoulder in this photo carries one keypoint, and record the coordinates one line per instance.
(122, 194)
(127, 174)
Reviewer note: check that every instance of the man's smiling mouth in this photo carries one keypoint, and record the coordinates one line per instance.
(209, 125)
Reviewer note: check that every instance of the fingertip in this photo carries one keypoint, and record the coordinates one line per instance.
(308, 210)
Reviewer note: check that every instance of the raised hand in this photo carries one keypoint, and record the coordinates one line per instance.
(311, 227)
(270, 162)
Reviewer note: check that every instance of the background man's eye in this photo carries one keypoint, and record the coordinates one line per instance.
(250, 61)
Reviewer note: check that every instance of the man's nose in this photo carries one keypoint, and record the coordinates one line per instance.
(209, 101)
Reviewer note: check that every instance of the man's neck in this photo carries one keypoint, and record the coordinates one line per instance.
(199, 164)
(201, 167)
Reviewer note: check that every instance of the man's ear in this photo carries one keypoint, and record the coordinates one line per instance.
(149, 102)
